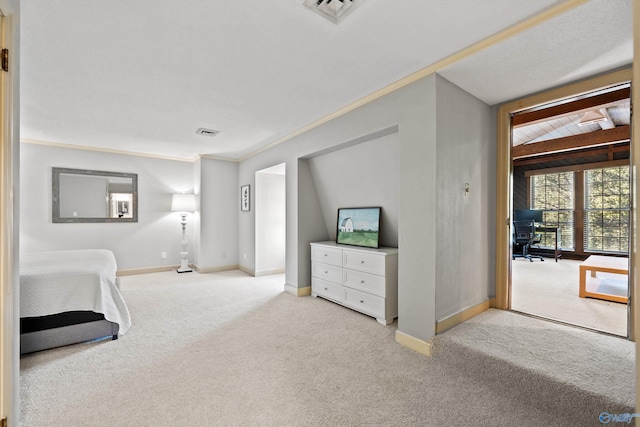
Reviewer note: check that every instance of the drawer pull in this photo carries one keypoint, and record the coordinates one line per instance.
(326, 289)
(326, 272)
(361, 281)
(361, 301)
(362, 262)
(326, 254)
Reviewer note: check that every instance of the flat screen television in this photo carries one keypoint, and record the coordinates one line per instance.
(359, 227)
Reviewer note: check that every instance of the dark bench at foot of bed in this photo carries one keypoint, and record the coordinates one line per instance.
(45, 332)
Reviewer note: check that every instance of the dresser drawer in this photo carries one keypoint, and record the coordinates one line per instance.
(326, 255)
(365, 302)
(327, 289)
(363, 262)
(364, 281)
(327, 272)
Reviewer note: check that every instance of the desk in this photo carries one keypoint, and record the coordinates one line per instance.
(551, 229)
(605, 264)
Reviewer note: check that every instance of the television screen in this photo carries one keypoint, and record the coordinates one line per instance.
(358, 227)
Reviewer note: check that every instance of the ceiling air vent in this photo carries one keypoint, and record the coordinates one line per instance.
(207, 132)
(334, 10)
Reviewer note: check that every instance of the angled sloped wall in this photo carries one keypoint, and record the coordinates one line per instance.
(365, 174)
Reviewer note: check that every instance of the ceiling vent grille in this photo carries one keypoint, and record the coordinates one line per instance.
(207, 132)
(334, 10)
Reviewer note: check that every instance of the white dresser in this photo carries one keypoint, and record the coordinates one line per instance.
(363, 279)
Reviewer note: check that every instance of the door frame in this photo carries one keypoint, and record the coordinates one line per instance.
(9, 178)
(635, 163)
(505, 169)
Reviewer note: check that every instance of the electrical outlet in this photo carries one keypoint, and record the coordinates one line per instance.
(163, 255)
(245, 255)
(223, 255)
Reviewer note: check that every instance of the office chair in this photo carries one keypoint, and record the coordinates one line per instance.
(524, 235)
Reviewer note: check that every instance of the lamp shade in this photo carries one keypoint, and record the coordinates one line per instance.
(183, 203)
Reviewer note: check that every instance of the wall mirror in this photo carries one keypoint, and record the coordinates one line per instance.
(80, 195)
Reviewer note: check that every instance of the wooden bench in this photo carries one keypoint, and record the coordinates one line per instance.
(604, 264)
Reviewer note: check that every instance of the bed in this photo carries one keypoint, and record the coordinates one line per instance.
(67, 297)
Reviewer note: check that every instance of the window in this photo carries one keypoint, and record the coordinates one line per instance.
(589, 203)
(607, 200)
(554, 194)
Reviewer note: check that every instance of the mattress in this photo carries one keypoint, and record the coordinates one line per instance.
(74, 280)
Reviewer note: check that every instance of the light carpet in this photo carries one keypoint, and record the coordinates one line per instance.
(225, 349)
(550, 289)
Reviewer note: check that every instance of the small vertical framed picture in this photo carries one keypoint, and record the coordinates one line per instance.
(245, 198)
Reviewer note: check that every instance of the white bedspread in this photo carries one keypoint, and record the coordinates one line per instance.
(59, 281)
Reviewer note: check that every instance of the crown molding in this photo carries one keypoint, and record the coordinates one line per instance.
(224, 159)
(124, 152)
(430, 69)
(105, 150)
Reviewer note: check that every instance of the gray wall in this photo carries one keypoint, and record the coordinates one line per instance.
(362, 175)
(417, 213)
(135, 245)
(311, 226)
(466, 153)
(413, 111)
(196, 219)
(218, 216)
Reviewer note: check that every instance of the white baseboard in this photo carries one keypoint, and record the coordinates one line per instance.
(134, 271)
(299, 292)
(146, 270)
(249, 271)
(204, 270)
(415, 344)
(269, 272)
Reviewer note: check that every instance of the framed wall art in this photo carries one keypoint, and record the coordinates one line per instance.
(245, 198)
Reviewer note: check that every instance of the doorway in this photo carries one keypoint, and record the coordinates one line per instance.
(270, 201)
(541, 170)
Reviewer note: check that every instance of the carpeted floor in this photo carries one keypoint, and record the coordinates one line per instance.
(225, 349)
(550, 289)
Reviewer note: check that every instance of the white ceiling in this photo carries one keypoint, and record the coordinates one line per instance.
(143, 76)
(590, 39)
